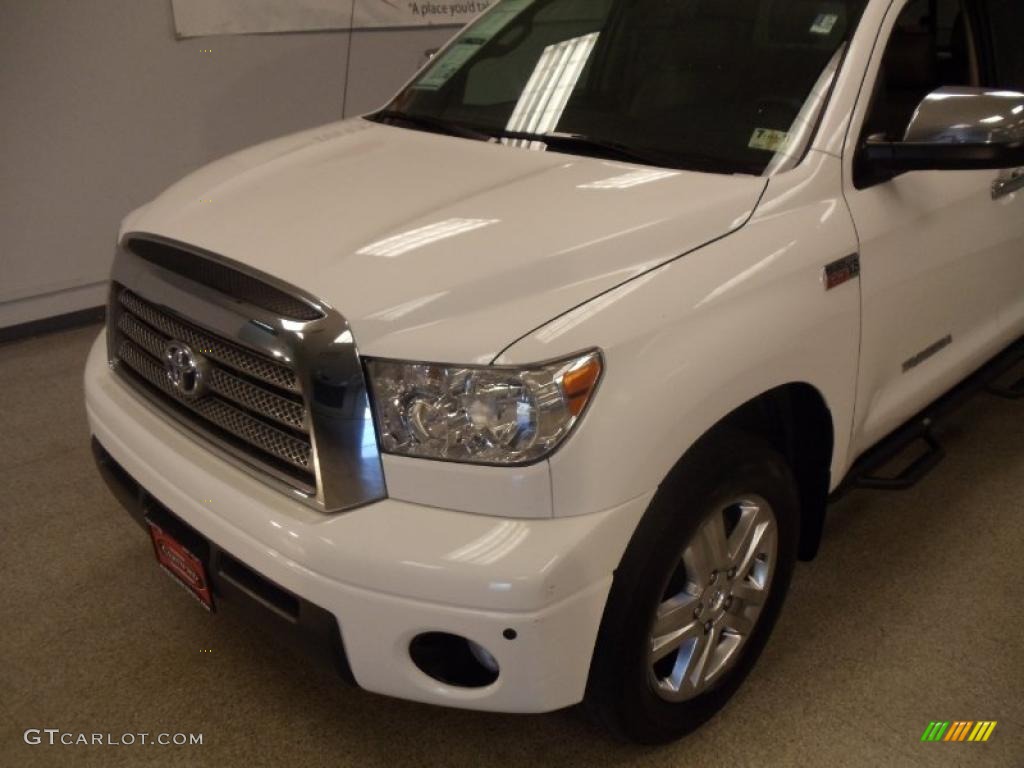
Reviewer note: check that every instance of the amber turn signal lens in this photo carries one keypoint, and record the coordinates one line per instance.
(579, 383)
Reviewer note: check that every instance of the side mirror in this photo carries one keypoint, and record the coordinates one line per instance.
(954, 129)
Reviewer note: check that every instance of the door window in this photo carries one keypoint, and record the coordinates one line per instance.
(930, 46)
(1005, 20)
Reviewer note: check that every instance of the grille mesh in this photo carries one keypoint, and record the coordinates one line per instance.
(210, 346)
(250, 400)
(275, 407)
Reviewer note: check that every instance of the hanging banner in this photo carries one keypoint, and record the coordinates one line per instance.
(199, 18)
(405, 13)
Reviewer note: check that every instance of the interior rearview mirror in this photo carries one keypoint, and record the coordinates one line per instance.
(954, 129)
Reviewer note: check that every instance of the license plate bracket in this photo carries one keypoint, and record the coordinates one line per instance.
(183, 565)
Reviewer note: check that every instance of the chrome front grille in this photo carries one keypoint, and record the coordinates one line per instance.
(252, 404)
(266, 375)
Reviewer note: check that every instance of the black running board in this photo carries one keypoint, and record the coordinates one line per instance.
(1009, 391)
(911, 475)
(918, 431)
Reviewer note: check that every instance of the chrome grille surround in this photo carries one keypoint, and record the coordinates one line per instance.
(285, 400)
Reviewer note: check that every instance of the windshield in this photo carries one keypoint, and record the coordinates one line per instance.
(727, 86)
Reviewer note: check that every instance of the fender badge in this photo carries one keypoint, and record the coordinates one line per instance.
(841, 271)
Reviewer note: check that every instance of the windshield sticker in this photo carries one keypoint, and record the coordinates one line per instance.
(477, 35)
(769, 140)
(447, 65)
(824, 24)
(492, 23)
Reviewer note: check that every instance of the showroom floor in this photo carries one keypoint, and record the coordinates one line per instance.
(913, 612)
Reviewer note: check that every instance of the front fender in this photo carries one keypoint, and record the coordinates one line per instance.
(688, 343)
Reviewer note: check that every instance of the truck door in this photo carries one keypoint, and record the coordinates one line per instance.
(942, 258)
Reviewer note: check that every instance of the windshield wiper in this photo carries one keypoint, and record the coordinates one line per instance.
(589, 145)
(432, 124)
(575, 143)
(578, 143)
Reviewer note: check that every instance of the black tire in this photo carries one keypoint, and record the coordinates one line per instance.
(620, 694)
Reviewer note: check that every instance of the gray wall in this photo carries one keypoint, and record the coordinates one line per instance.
(101, 108)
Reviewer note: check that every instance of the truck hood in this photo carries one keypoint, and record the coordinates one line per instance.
(442, 248)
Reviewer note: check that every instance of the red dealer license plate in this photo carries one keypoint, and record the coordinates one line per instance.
(187, 569)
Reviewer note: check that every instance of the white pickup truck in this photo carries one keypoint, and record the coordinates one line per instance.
(532, 387)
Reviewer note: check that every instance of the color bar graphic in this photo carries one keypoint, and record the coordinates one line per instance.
(958, 730)
(982, 731)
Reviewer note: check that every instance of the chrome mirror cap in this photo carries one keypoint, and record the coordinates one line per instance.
(977, 116)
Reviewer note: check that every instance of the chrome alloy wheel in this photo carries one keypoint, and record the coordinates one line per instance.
(714, 598)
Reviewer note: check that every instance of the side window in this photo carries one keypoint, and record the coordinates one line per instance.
(1005, 20)
(930, 46)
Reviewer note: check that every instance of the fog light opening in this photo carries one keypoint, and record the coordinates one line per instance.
(453, 660)
(482, 655)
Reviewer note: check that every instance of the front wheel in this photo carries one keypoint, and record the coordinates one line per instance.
(698, 590)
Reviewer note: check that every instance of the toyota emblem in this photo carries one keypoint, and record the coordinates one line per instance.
(185, 369)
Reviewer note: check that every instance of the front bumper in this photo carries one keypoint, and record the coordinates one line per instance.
(392, 570)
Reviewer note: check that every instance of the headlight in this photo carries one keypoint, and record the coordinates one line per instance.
(482, 415)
